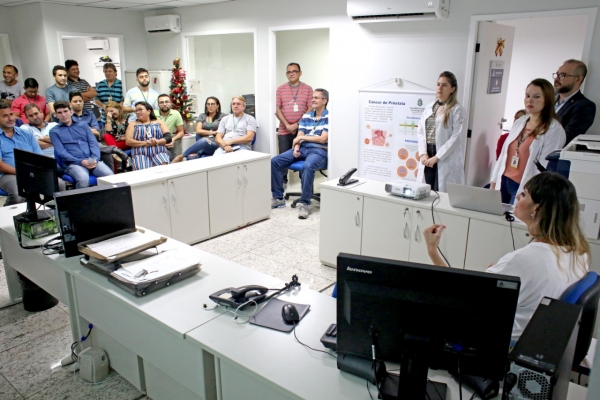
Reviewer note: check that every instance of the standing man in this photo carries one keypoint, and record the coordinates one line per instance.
(311, 146)
(81, 85)
(236, 131)
(171, 118)
(10, 88)
(293, 100)
(110, 89)
(60, 90)
(575, 111)
(80, 114)
(39, 128)
(140, 93)
(31, 96)
(76, 145)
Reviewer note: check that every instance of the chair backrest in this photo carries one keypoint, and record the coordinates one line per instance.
(586, 293)
(59, 160)
(334, 293)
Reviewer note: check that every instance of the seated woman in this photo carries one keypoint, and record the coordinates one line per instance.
(557, 256)
(147, 137)
(206, 127)
(116, 126)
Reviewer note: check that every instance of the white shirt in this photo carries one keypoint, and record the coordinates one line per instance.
(542, 275)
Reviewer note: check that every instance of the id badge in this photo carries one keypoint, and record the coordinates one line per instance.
(514, 162)
(295, 107)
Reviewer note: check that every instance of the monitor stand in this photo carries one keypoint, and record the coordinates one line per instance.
(32, 215)
(412, 382)
(391, 383)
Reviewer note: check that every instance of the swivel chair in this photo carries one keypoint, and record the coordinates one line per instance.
(298, 166)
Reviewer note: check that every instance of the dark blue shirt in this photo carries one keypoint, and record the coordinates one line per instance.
(22, 139)
(74, 143)
(89, 118)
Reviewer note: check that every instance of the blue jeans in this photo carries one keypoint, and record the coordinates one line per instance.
(82, 174)
(200, 148)
(314, 160)
(508, 190)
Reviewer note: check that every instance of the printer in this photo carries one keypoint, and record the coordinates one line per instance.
(580, 162)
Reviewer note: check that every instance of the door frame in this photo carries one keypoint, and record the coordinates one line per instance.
(6, 46)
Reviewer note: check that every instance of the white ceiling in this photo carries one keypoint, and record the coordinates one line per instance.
(134, 5)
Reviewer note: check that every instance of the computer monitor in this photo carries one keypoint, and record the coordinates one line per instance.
(422, 317)
(37, 181)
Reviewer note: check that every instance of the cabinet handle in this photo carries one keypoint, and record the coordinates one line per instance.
(405, 211)
(173, 197)
(415, 232)
(357, 219)
(164, 201)
(239, 182)
(404, 230)
(245, 181)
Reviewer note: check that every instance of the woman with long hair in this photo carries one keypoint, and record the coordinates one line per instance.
(116, 125)
(440, 136)
(206, 127)
(557, 256)
(531, 138)
(147, 137)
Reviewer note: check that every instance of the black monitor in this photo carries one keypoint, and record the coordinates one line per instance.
(37, 181)
(423, 316)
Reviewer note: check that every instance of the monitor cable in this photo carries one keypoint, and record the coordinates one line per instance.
(437, 200)
(305, 345)
(510, 218)
(459, 376)
(19, 231)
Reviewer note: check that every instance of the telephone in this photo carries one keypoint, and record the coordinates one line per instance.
(235, 297)
(345, 179)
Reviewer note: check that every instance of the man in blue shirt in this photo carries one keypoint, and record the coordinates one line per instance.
(76, 145)
(80, 114)
(311, 146)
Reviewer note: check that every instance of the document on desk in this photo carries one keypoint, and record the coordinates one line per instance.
(123, 243)
(156, 267)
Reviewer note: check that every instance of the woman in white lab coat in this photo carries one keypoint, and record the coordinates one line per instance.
(531, 138)
(440, 136)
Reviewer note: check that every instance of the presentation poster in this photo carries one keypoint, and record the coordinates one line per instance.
(388, 148)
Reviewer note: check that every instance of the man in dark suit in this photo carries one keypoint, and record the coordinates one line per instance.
(575, 111)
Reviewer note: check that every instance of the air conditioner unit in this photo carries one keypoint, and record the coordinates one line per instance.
(397, 10)
(98, 44)
(163, 23)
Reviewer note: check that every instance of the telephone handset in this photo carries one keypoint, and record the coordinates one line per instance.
(239, 297)
(248, 291)
(345, 179)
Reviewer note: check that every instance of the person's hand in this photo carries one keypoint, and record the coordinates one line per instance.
(431, 161)
(296, 141)
(432, 235)
(169, 145)
(296, 151)
(228, 149)
(152, 142)
(424, 158)
(492, 185)
(89, 164)
(291, 127)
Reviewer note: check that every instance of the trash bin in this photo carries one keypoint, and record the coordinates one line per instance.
(34, 297)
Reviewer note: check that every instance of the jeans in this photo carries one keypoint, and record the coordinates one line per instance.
(200, 148)
(314, 160)
(508, 190)
(8, 183)
(285, 143)
(82, 174)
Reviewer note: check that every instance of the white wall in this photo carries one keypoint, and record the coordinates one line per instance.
(6, 27)
(538, 56)
(76, 49)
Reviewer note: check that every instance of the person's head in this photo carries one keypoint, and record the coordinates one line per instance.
(60, 75)
(144, 112)
(33, 114)
(519, 114)
(10, 74)
(549, 207)
(31, 87)
(539, 100)
(293, 73)
(63, 112)
(110, 71)
(164, 102)
(76, 101)
(569, 77)
(7, 120)
(72, 69)
(238, 105)
(320, 99)
(115, 110)
(212, 105)
(143, 77)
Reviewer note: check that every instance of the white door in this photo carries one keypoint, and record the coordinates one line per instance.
(188, 203)
(151, 207)
(487, 109)
(225, 199)
(256, 190)
(386, 229)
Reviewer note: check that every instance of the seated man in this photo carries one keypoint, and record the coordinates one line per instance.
(39, 128)
(311, 146)
(236, 131)
(77, 146)
(80, 114)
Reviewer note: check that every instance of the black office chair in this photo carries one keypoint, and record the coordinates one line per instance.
(586, 293)
(297, 166)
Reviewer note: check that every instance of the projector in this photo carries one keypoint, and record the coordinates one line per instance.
(408, 189)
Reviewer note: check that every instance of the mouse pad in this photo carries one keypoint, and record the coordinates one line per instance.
(270, 315)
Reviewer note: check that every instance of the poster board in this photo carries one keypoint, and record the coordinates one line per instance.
(388, 147)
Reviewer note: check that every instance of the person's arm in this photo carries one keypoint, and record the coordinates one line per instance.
(93, 143)
(129, 140)
(127, 103)
(311, 139)
(44, 144)
(554, 139)
(167, 138)
(432, 236)
(6, 168)
(35, 145)
(290, 127)
(59, 148)
(50, 101)
(89, 94)
(100, 104)
(219, 140)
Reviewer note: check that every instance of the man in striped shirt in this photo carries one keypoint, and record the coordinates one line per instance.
(310, 146)
(80, 85)
(293, 100)
(110, 89)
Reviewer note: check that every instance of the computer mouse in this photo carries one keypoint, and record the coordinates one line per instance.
(290, 314)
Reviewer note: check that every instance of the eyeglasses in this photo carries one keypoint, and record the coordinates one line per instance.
(317, 98)
(562, 76)
(292, 72)
(211, 104)
(140, 110)
(164, 102)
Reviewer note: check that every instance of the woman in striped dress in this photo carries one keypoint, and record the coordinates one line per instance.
(147, 137)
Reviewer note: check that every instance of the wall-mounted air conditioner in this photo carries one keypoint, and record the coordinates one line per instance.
(163, 23)
(397, 10)
(98, 44)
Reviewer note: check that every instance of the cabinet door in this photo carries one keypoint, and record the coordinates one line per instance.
(487, 242)
(454, 239)
(188, 200)
(256, 185)
(151, 207)
(225, 199)
(341, 224)
(386, 229)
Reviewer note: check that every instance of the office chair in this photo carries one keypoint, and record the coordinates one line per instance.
(68, 178)
(586, 293)
(298, 166)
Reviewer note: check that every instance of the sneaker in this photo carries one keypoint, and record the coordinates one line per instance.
(303, 212)
(277, 203)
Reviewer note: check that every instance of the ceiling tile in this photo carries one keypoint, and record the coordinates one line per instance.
(71, 2)
(177, 4)
(150, 6)
(109, 4)
(144, 2)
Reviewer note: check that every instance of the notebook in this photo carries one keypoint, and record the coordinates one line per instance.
(477, 199)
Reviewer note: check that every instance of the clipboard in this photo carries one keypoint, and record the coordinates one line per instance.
(82, 247)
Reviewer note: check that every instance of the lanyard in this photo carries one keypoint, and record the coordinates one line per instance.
(145, 99)
(235, 123)
(522, 138)
(318, 122)
(294, 96)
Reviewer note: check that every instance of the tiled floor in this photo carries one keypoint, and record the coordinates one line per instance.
(32, 344)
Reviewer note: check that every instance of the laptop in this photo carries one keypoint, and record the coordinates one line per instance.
(477, 199)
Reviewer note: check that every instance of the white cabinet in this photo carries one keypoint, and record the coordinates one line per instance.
(386, 229)
(150, 207)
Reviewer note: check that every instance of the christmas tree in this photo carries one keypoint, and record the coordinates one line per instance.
(179, 95)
